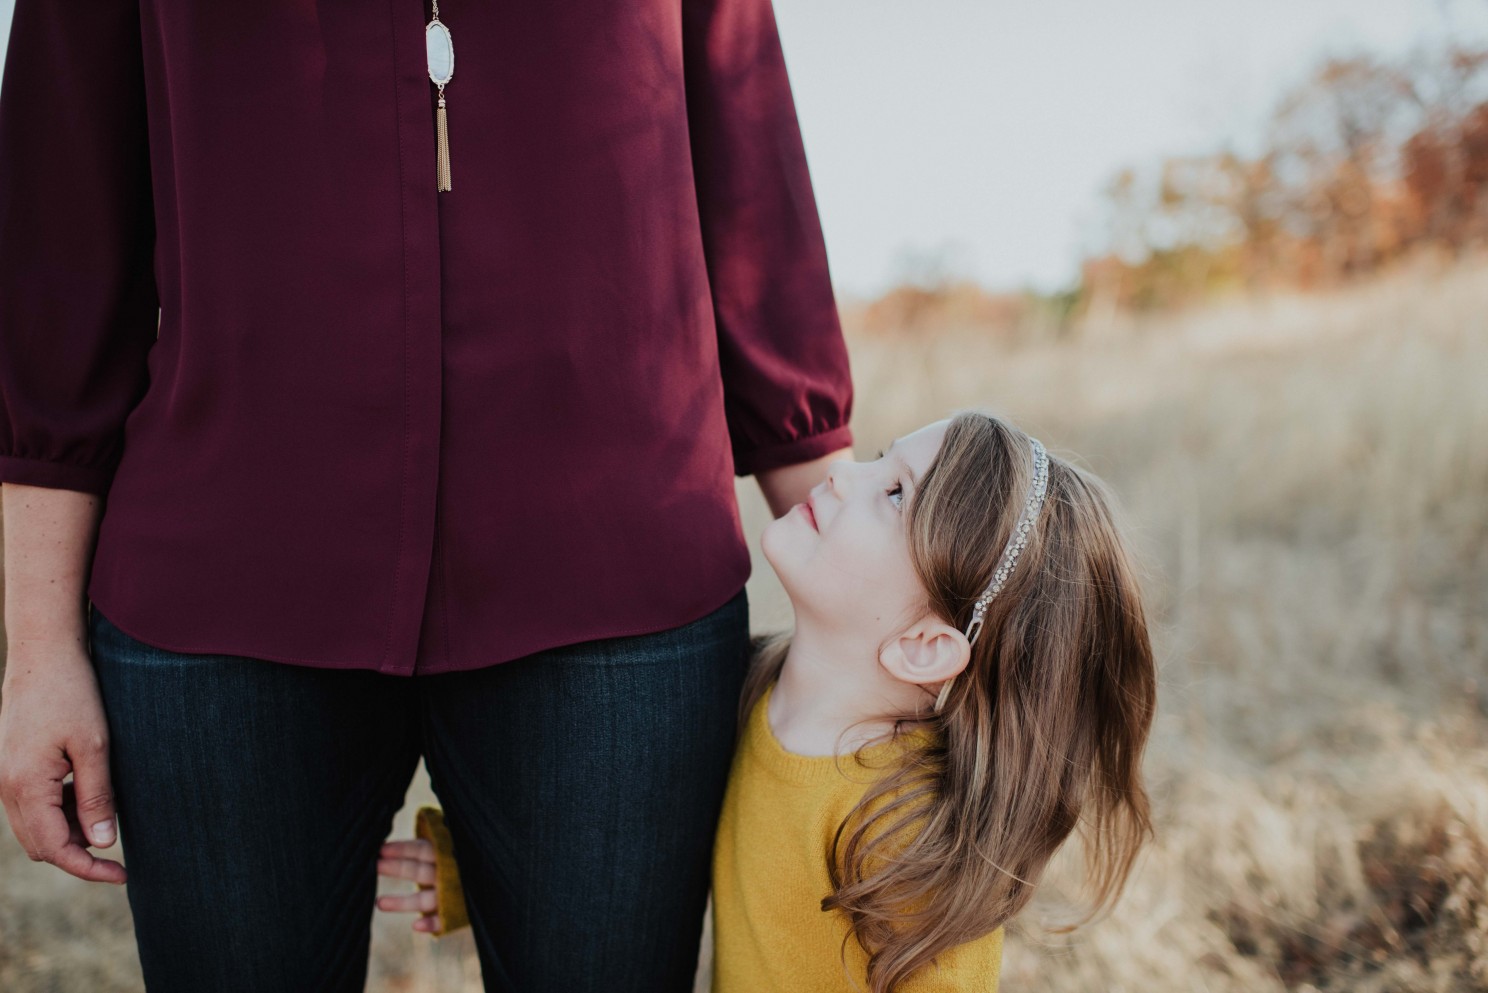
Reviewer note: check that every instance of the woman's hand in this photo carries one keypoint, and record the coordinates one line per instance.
(411, 859)
(51, 723)
(52, 720)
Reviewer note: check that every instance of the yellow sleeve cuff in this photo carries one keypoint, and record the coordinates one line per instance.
(449, 896)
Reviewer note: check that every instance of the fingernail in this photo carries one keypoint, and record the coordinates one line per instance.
(104, 831)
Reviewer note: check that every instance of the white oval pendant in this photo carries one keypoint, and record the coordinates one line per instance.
(440, 48)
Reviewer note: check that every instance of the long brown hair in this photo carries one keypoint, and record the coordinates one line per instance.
(1041, 735)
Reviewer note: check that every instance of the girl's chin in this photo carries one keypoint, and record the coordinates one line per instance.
(780, 542)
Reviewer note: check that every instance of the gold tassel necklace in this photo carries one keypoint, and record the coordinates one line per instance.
(440, 50)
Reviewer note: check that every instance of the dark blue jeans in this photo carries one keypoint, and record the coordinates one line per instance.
(581, 785)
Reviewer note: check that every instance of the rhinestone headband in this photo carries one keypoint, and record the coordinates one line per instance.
(1017, 541)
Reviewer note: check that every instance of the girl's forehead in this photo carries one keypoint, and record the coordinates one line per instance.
(919, 447)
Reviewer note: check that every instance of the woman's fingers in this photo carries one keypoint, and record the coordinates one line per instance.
(420, 872)
(429, 922)
(69, 804)
(423, 902)
(47, 826)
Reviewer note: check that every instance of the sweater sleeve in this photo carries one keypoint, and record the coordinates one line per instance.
(78, 303)
(787, 387)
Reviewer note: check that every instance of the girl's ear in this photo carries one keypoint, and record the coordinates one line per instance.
(928, 651)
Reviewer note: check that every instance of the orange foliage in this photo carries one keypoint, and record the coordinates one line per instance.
(1365, 162)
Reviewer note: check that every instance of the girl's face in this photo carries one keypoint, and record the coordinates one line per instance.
(843, 556)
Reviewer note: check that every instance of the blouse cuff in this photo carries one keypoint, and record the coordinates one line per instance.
(792, 452)
(58, 475)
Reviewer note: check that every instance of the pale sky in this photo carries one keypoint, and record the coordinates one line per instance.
(980, 132)
(985, 129)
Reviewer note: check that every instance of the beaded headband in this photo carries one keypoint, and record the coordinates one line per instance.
(1017, 541)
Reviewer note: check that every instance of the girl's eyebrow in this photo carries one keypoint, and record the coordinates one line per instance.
(900, 459)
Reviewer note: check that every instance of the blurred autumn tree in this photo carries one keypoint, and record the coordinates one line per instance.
(1363, 162)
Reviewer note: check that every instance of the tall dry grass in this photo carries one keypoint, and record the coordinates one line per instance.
(1306, 480)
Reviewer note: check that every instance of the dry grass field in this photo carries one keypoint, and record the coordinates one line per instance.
(1306, 480)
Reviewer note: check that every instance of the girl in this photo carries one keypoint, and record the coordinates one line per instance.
(969, 681)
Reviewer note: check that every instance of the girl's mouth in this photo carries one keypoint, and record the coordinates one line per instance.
(810, 517)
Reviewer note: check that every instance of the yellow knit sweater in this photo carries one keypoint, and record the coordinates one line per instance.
(770, 934)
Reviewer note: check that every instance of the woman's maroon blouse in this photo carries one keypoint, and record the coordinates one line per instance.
(344, 420)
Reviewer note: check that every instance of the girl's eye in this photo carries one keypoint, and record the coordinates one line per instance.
(897, 488)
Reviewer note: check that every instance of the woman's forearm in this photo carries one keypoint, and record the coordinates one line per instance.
(49, 537)
(789, 485)
(52, 720)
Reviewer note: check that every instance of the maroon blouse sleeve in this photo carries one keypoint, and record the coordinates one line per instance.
(787, 387)
(78, 303)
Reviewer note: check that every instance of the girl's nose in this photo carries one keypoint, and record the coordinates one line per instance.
(837, 474)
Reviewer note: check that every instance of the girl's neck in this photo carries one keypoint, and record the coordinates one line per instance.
(823, 704)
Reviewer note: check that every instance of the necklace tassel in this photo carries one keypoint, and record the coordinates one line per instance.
(444, 163)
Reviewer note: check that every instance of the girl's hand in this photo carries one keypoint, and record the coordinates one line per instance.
(411, 859)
